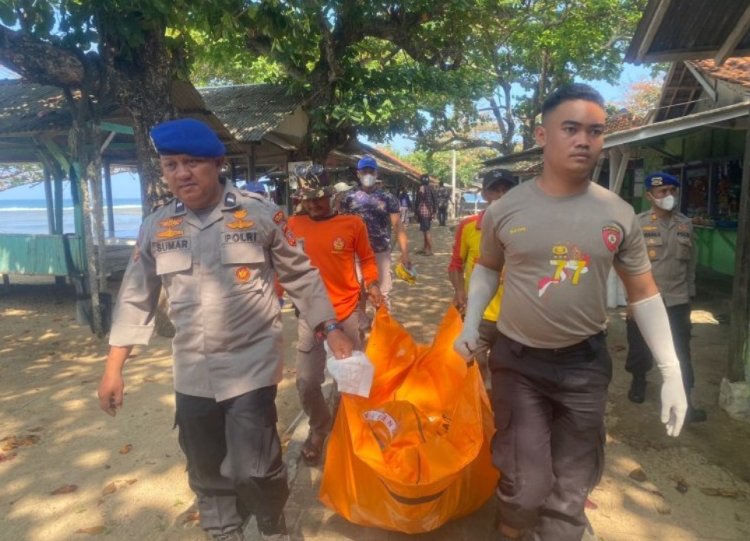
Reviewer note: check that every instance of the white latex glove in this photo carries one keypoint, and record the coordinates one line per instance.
(466, 343)
(482, 287)
(673, 403)
(651, 317)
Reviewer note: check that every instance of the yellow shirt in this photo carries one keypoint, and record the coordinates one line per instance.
(465, 255)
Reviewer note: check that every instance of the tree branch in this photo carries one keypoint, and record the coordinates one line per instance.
(39, 61)
(462, 142)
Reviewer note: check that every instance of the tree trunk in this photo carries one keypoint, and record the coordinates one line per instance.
(85, 144)
(145, 88)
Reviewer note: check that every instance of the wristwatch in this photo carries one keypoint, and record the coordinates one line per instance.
(332, 326)
(325, 329)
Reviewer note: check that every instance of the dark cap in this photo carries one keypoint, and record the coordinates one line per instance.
(187, 136)
(496, 176)
(312, 182)
(654, 180)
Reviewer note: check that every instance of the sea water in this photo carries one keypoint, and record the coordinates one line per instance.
(29, 216)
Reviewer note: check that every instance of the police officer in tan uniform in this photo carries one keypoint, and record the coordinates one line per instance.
(215, 250)
(673, 255)
(556, 238)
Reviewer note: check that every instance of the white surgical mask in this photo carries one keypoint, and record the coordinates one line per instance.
(368, 180)
(666, 203)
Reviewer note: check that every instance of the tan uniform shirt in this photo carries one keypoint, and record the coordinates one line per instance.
(672, 251)
(558, 253)
(218, 273)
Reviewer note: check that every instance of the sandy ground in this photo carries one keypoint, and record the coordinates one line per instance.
(124, 478)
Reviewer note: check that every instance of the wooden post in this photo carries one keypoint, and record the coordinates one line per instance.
(59, 202)
(740, 313)
(252, 162)
(49, 201)
(108, 195)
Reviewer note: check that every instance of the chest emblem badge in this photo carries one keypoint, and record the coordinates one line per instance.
(338, 244)
(239, 220)
(242, 274)
(171, 222)
(169, 233)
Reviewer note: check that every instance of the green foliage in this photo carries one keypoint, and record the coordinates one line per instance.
(525, 49)
(375, 68)
(440, 164)
(19, 174)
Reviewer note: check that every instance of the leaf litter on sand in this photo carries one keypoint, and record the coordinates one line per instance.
(14, 442)
(115, 485)
(125, 449)
(65, 489)
(92, 530)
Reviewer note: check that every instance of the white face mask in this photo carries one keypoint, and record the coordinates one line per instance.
(368, 180)
(666, 203)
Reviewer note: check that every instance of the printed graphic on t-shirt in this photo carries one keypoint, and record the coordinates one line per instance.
(568, 263)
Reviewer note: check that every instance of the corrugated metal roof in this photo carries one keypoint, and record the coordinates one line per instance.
(31, 108)
(673, 30)
(250, 111)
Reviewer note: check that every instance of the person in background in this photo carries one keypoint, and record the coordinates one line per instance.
(495, 184)
(331, 241)
(214, 249)
(671, 249)
(256, 187)
(380, 212)
(555, 238)
(404, 203)
(425, 204)
(340, 190)
(443, 201)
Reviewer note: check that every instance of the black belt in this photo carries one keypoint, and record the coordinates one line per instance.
(584, 346)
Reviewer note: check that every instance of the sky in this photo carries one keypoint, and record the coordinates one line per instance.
(125, 185)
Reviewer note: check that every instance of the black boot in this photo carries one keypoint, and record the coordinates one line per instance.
(637, 392)
(273, 528)
(695, 415)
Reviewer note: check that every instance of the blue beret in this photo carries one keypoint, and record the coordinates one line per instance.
(254, 187)
(655, 180)
(367, 161)
(187, 136)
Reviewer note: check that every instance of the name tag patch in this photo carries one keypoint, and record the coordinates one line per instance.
(245, 236)
(170, 245)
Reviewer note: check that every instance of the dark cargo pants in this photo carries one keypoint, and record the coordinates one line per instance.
(234, 459)
(640, 360)
(549, 446)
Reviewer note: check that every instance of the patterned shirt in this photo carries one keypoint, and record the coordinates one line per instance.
(426, 202)
(375, 209)
(443, 197)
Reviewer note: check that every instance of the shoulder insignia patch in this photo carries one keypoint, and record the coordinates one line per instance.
(612, 236)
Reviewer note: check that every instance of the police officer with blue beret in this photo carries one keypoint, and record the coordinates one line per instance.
(671, 248)
(215, 250)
